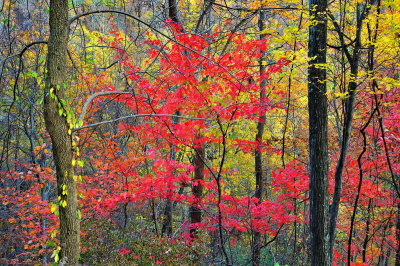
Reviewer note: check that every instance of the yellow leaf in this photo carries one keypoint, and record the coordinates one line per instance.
(341, 95)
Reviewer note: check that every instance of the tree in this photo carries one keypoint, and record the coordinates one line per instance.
(318, 133)
(58, 119)
(258, 158)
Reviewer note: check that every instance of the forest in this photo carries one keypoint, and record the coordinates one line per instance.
(200, 132)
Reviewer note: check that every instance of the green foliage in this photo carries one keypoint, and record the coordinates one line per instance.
(241, 255)
(130, 247)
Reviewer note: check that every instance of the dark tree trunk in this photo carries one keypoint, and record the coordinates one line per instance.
(167, 221)
(318, 133)
(173, 10)
(367, 236)
(59, 131)
(197, 187)
(256, 247)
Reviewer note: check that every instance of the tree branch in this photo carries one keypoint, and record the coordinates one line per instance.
(157, 31)
(140, 115)
(97, 94)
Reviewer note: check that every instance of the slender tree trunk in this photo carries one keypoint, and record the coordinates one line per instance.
(58, 128)
(167, 221)
(199, 157)
(318, 133)
(362, 12)
(256, 247)
(367, 236)
(349, 109)
(360, 182)
(382, 257)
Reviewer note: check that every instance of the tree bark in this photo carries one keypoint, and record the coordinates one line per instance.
(256, 247)
(197, 187)
(59, 131)
(318, 133)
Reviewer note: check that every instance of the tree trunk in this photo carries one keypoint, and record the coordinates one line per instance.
(197, 187)
(367, 236)
(167, 221)
(59, 131)
(256, 247)
(173, 11)
(318, 133)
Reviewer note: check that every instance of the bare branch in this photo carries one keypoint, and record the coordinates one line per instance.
(155, 30)
(97, 94)
(141, 115)
(20, 54)
(252, 10)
